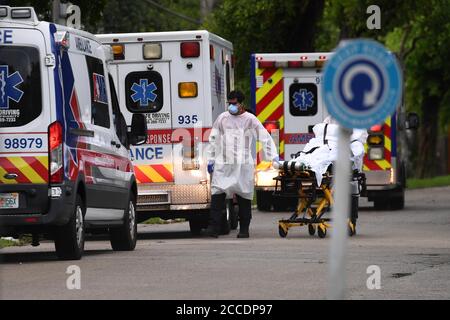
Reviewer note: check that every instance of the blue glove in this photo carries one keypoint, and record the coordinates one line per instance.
(210, 166)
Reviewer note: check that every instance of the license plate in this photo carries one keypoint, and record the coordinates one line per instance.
(9, 200)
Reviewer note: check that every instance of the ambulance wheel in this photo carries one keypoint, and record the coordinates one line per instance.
(264, 200)
(281, 232)
(124, 237)
(397, 203)
(196, 225)
(69, 239)
(311, 229)
(322, 233)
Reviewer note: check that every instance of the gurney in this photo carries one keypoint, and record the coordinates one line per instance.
(309, 178)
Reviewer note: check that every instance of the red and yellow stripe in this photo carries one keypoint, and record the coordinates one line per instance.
(28, 169)
(269, 105)
(154, 173)
(386, 163)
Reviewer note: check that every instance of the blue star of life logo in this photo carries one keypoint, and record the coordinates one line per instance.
(8, 87)
(143, 92)
(303, 99)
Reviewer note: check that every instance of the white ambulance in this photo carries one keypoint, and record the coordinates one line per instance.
(64, 160)
(286, 95)
(180, 81)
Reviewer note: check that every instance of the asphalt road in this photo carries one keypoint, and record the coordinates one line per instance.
(411, 248)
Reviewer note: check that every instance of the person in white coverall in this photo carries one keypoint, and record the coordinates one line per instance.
(231, 163)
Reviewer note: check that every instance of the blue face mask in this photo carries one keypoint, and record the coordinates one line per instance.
(233, 109)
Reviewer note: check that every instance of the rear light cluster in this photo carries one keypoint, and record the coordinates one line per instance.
(190, 155)
(190, 49)
(302, 62)
(55, 143)
(375, 141)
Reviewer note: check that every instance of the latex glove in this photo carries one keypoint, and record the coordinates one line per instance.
(210, 166)
(276, 162)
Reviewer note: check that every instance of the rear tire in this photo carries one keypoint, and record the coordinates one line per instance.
(69, 239)
(124, 237)
(397, 203)
(196, 225)
(264, 200)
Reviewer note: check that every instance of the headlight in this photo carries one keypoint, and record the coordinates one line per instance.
(265, 178)
(376, 153)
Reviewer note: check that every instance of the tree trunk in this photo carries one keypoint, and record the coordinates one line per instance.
(426, 165)
(206, 7)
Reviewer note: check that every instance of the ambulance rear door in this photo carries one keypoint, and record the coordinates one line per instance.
(144, 87)
(302, 109)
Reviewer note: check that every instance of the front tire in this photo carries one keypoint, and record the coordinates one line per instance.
(69, 239)
(124, 237)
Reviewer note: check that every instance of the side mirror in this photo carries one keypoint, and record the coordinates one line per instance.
(412, 121)
(138, 134)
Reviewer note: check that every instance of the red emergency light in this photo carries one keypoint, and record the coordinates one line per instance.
(190, 49)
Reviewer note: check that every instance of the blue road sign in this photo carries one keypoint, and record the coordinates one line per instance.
(362, 84)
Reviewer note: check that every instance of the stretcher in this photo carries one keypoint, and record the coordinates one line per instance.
(296, 180)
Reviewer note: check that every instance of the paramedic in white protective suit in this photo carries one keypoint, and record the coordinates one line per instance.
(231, 163)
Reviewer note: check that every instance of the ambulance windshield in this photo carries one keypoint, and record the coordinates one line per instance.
(20, 85)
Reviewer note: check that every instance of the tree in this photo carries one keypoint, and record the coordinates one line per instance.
(265, 26)
(418, 31)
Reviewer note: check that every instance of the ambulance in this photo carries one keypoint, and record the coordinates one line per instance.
(286, 98)
(64, 161)
(180, 81)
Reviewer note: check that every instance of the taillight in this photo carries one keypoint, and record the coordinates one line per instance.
(190, 155)
(190, 49)
(55, 143)
(271, 126)
(377, 128)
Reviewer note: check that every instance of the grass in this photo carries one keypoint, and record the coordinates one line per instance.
(440, 181)
(24, 240)
(157, 220)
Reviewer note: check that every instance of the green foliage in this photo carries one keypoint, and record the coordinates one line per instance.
(440, 181)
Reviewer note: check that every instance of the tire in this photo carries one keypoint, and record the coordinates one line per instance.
(284, 204)
(69, 239)
(381, 204)
(321, 233)
(311, 229)
(264, 200)
(124, 237)
(233, 214)
(397, 203)
(281, 232)
(196, 225)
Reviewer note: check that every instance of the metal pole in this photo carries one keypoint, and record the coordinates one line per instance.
(340, 214)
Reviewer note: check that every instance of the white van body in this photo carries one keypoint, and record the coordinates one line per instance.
(171, 169)
(64, 160)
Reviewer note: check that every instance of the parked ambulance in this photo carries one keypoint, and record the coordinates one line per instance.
(64, 159)
(286, 98)
(180, 82)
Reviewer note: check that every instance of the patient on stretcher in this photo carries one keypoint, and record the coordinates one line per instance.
(321, 151)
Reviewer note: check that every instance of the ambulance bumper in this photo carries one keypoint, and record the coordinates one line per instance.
(37, 208)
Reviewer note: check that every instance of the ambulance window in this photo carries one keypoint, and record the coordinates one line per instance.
(303, 99)
(120, 130)
(144, 92)
(227, 77)
(20, 85)
(99, 98)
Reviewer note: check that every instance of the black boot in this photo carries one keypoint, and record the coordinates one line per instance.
(243, 229)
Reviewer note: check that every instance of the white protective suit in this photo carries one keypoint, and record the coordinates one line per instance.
(325, 154)
(230, 147)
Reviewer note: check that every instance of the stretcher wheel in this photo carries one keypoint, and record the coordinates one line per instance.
(311, 229)
(281, 232)
(322, 233)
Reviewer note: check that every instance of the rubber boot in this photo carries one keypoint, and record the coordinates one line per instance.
(243, 228)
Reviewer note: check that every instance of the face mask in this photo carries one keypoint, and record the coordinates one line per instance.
(233, 109)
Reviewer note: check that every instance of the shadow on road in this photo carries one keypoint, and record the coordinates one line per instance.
(39, 256)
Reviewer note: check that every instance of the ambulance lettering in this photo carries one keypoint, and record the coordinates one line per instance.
(6, 36)
(144, 92)
(147, 153)
(8, 87)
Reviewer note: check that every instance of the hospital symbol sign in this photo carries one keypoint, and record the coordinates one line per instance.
(144, 92)
(8, 87)
(303, 99)
(362, 84)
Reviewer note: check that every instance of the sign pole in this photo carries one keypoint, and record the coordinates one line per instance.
(340, 215)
